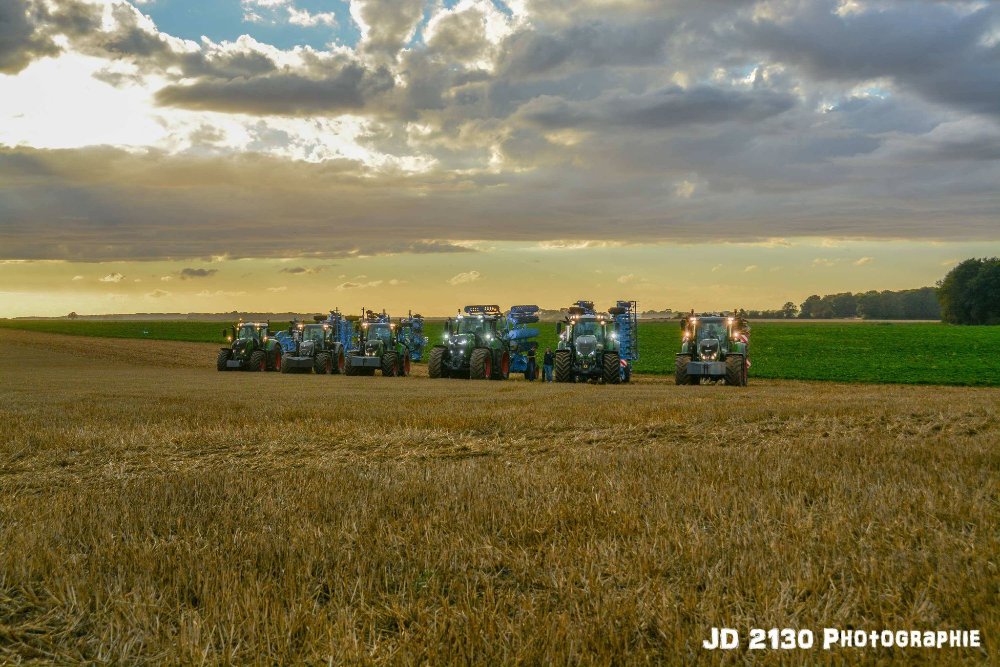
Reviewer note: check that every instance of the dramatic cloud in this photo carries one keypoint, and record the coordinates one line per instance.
(187, 273)
(550, 122)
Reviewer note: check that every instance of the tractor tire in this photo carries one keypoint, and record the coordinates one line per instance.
(611, 368)
(220, 361)
(339, 361)
(258, 361)
(389, 361)
(435, 364)
(680, 370)
(285, 368)
(501, 371)
(349, 368)
(322, 363)
(274, 359)
(627, 377)
(736, 370)
(480, 364)
(563, 366)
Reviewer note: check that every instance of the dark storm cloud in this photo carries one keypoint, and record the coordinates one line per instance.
(941, 50)
(21, 40)
(105, 204)
(670, 107)
(188, 273)
(345, 89)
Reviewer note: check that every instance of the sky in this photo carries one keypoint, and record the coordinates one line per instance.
(302, 155)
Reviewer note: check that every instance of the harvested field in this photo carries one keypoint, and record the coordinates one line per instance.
(154, 510)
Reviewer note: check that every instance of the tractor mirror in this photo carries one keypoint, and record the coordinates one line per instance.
(224, 333)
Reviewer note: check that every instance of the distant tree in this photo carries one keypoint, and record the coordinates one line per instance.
(970, 293)
(73, 315)
(789, 310)
(809, 305)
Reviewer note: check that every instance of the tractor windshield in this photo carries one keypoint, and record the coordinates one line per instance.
(248, 331)
(469, 325)
(315, 334)
(380, 332)
(716, 330)
(588, 329)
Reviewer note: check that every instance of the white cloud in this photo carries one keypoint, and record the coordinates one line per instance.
(76, 278)
(206, 293)
(751, 268)
(277, 289)
(166, 279)
(864, 260)
(463, 278)
(302, 17)
(627, 278)
(354, 284)
(113, 278)
(823, 261)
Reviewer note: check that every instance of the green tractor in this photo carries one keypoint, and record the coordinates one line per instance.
(313, 347)
(251, 348)
(588, 348)
(378, 348)
(715, 347)
(475, 348)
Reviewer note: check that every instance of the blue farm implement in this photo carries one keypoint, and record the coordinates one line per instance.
(411, 334)
(519, 336)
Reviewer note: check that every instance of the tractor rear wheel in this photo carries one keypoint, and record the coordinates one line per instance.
(481, 364)
(258, 361)
(736, 370)
(564, 366)
(389, 360)
(322, 364)
(220, 361)
(435, 364)
(612, 368)
(274, 359)
(681, 370)
(501, 371)
(285, 368)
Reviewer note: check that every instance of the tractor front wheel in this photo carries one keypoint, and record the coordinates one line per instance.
(220, 361)
(258, 361)
(322, 364)
(564, 366)
(681, 370)
(736, 370)
(389, 360)
(481, 364)
(349, 368)
(435, 364)
(612, 368)
(285, 368)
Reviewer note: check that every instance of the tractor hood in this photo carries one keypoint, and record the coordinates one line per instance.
(307, 348)
(373, 348)
(462, 341)
(586, 346)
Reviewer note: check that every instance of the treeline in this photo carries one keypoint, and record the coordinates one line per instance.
(911, 304)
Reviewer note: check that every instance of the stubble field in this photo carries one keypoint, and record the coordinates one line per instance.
(153, 510)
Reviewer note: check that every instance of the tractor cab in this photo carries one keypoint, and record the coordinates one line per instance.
(251, 331)
(376, 334)
(477, 327)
